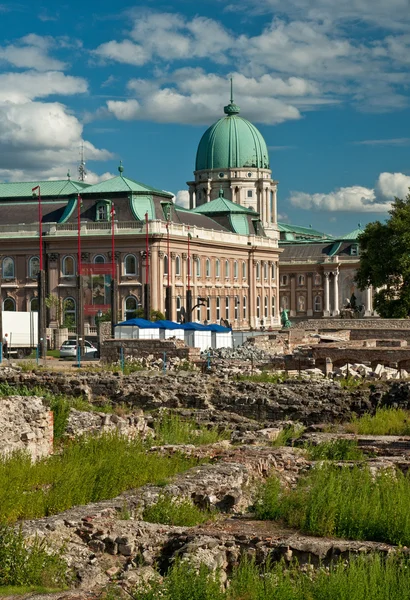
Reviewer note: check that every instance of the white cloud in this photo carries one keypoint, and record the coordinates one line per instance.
(31, 52)
(124, 52)
(386, 142)
(182, 198)
(22, 87)
(127, 110)
(357, 198)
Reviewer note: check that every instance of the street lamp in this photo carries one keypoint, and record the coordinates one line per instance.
(98, 322)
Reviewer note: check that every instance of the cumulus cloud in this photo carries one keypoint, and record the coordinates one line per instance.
(26, 86)
(31, 52)
(182, 198)
(124, 52)
(357, 198)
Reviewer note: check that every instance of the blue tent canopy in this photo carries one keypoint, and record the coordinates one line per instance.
(141, 323)
(165, 324)
(218, 328)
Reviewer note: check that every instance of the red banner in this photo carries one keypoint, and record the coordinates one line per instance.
(96, 268)
(91, 310)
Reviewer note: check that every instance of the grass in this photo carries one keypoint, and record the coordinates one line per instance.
(264, 377)
(26, 566)
(334, 450)
(170, 428)
(363, 578)
(386, 421)
(85, 470)
(288, 435)
(348, 502)
(171, 510)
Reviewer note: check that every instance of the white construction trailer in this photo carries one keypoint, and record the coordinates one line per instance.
(22, 332)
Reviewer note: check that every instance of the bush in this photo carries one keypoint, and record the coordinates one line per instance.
(386, 421)
(334, 450)
(172, 429)
(171, 510)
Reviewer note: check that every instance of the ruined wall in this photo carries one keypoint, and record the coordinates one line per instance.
(110, 349)
(25, 424)
(336, 323)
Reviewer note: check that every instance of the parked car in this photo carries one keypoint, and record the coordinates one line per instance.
(69, 349)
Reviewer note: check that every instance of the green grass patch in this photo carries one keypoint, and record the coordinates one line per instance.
(386, 421)
(25, 566)
(171, 510)
(170, 428)
(85, 470)
(288, 435)
(264, 377)
(334, 450)
(347, 502)
(363, 578)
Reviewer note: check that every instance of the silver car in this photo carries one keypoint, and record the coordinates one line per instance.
(68, 349)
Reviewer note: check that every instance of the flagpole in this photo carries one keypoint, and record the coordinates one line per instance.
(79, 201)
(41, 282)
(113, 274)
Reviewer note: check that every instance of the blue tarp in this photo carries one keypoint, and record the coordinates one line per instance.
(165, 324)
(141, 323)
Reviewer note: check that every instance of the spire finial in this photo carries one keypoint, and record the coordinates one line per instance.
(232, 108)
(68, 175)
(121, 168)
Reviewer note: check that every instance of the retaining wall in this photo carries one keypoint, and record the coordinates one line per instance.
(110, 349)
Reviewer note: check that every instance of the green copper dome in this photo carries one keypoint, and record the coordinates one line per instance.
(232, 142)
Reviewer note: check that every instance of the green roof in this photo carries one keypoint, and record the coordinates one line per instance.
(232, 142)
(59, 187)
(239, 224)
(122, 184)
(140, 205)
(353, 235)
(287, 228)
(222, 206)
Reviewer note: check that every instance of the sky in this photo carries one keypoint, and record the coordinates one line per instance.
(325, 82)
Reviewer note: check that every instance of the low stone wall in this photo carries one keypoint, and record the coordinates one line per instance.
(335, 323)
(132, 425)
(110, 349)
(25, 424)
(380, 334)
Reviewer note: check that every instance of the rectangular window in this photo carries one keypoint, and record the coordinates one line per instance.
(208, 309)
(218, 308)
(250, 194)
(227, 308)
(244, 307)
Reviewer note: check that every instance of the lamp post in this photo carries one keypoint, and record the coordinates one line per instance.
(36, 191)
(98, 322)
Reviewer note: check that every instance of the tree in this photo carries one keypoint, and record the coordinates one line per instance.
(156, 315)
(385, 261)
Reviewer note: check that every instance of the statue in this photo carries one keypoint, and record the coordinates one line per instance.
(353, 303)
(284, 318)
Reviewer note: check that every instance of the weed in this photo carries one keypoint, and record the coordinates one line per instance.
(386, 421)
(265, 377)
(85, 470)
(288, 435)
(170, 510)
(334, 450)
(172, 429)
(352, 383)
(34, 565)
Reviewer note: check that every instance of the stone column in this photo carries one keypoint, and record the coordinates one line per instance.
(336, 293)
(309, 295)
(292, 295)
(368, 303)
(326, 310)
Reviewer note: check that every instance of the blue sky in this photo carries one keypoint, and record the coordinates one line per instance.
(325, 82)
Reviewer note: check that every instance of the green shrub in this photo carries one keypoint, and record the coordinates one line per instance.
(288, 435)
(386, 421)
(86, 470)
(170, 428)
(265, 377)
(362, 578)
(346, 502)
(171, 510)
(34, 565)
(334, 450)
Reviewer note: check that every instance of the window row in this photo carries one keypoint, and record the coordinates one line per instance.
(301, 303)
(218, 264)
(301, 279)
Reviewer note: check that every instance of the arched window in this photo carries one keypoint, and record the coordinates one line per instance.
(198, 267)
(258, 306)
(236, 307)
(102, 210)
(69, 312)
(8, 268)
(244, 307)
(317, 305)
(130, 306)
(217, 268)
(34, 305)
(9, 305)
(130, 265)
(301, 303)
(301, 280)
(258, 270)
(208, 267)
(218, 308)
(318, 279)
(285, 303)
(178, 307)
(34, 266)
(244, 270)
(227, 307)
(177, 265)
(265, 270)
(166, 265)
(273, 270)
(227, 269)
(68, 269)
(266, 312)
(99, 259)
(273, 306)
(235, 269)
